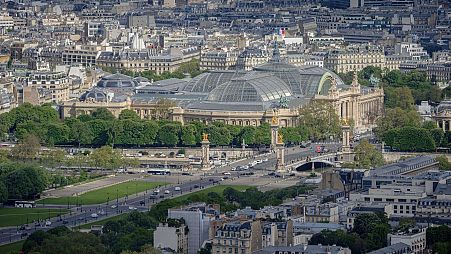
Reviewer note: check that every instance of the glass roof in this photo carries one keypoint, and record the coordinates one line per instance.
(252, 87)
(206, 82)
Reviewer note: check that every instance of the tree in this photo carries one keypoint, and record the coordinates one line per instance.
(188, 135)
(103, 114)
(443, 162)
(168, 134)
(437, 135)
(219, 136)
(414, 140)
(81, 133)
(57, 133)
(397, 118)
(400, 97)
(367, 156)
(3, 192)
(128, 114)
(106, 157)
(27, 149)
(320, 119)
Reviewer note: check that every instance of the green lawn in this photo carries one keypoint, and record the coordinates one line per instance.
(104, 194)
(11, 248)
(19, 216)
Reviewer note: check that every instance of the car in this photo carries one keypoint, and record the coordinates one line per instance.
(27, 227)
(65, 222)
(245, 167)
(132, 208)
(291, 174)
(161, 196)
(277, 175)
(24, 234)
(22, 227)
(153, 196)
(156, 191)
(186, 174)
(215, 181)
(177, 188)
(265, 159)
(180, 155)
(102, 212)
(167, 192)
(94, 215)
(272, 174)
(48, 223)
(258, 161)
(211, 180)
(196, 186)
(226, 173)
(142, 202)
(114, 206)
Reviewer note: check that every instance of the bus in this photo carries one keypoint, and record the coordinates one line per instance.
(25, 204)
(161, 171)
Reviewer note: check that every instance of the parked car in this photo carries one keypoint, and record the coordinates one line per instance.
(167, 192)
(177, 188)
(226, 173)
(94, 215)
(48, 223)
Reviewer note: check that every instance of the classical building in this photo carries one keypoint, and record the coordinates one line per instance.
(415, 238)
(355, 58)
(245, 98)
(442, 115)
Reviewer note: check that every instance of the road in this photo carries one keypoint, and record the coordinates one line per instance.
(142, 202)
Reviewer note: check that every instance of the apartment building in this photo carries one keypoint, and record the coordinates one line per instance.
(355, 58)
(171, 236)
(197, 217)
(85, 55)
(218, 60)
(238, 237)
(56, 82)
(415, 238)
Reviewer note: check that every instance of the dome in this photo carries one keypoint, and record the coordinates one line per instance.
(252, 87)
(206, 82)
(444, 106)
(117, 81)
(95, 95)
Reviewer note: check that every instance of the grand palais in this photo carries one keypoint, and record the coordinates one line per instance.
(246, 98)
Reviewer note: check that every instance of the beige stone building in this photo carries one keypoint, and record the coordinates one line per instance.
(56, 82)
(245, 98)
(218, 60)
(82, 54)
(355, 58)
(147, 59)
(238, 237)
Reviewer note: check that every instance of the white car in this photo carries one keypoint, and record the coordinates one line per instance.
(180, 155)
(48, 223)
(167, 192)
(156, 191)
(245, 167)
(226, 173)
(265, 159)
(132, 208)
(113, 206)
(94, 215)
(177, 188)
(258, 161)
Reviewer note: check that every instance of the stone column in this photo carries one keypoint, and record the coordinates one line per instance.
(205, 165)
(443, 125)
(274, 132)
(280, 154)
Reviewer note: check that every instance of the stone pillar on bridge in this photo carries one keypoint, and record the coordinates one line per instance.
(205, 164)
(346, 141)
(280, 154)
(274, 131)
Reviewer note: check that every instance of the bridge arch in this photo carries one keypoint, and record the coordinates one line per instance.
(307, 166)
